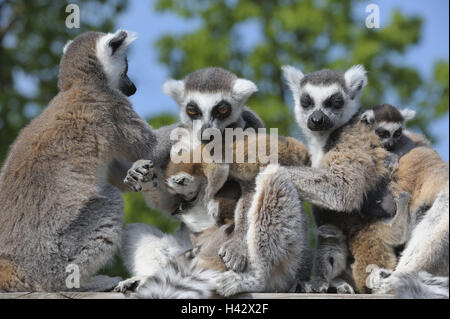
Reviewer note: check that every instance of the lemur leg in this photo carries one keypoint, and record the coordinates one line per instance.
(234, 251)
(428, 249)
(273, 260)
(98, 238)
(146, 250)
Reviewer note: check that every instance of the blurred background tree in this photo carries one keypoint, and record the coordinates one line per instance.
(310, 34)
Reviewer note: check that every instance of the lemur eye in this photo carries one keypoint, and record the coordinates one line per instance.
(382, 133)
(221, 110)
(192, 110)
(398, 133)
(306, 101)
(335, 101)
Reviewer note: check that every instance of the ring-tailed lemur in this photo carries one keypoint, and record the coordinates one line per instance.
(214, 97)
(197, 184)
(57, 208)
(348, 172)
(423, 173)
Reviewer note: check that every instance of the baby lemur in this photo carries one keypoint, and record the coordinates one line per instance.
(57, 207)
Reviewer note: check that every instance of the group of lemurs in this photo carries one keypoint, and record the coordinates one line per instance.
(379, 193)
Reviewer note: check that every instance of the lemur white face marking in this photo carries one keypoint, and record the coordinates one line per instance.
(324, 101)
(111, 52)
(213, 96)
(389, 133)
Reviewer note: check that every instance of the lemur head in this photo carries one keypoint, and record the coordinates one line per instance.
(388, 123)
(325, 100)
(97, 57)
(212, 95)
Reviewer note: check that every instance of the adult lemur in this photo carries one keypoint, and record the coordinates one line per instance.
(57, 207)
(423, 173)
(216, 99)
(348, 161)
(272, 206)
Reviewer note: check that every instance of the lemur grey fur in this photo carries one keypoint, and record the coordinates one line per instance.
(348, 162)
(57, 207)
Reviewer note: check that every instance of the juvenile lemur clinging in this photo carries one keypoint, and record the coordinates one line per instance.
(57, 207)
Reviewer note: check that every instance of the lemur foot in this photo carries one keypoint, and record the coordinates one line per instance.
(316, 287)
(379, 280)
(129, 284)
(229, 284)
(344, 288)
(140, 172)
(234, 254)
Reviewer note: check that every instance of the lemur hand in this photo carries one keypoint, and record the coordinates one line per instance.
(391, 161)
(234, 254)
(140, 172)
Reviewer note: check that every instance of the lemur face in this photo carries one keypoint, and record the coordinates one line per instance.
(389, 133)
(212, 96)
(388, 123)
(111, 52)
(325, 99)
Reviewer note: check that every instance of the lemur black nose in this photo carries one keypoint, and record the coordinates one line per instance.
(317, 120)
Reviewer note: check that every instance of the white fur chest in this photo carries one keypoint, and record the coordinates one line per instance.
(316, 145)
(197, 218)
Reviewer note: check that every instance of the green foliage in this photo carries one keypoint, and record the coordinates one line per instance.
(32, 35)
(310, 35)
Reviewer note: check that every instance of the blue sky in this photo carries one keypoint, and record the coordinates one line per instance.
(149, 75)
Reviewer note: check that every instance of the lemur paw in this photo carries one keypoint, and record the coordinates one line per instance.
(344, 288)
(213, 208)
(316, 287)
(229, 284)
(140, 172)
(379, 280)
(391, 161)
(129, 284)
(234, 254)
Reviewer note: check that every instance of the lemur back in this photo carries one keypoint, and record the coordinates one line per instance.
(57, 206)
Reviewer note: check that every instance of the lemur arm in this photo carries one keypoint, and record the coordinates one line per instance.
(151, 180)
(331, 188)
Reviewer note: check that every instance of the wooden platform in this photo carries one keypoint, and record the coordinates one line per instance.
(110, 295)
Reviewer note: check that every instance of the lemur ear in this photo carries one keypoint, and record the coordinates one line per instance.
(368, 117)
(292, 77)
(174, 89)
(67, 46)
(329, 231)
(408, 114)
(243, 89)
(120, 40)
(356, 80)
